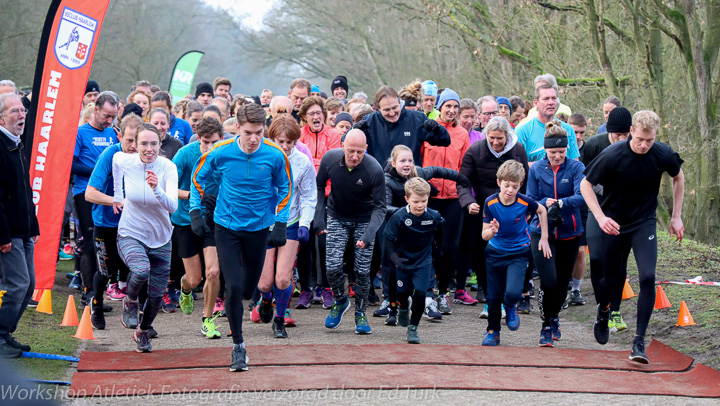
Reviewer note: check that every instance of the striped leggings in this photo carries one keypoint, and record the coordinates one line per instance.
(338, 234)
(151, 265)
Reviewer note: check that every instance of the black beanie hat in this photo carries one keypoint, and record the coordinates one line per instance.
(92, 86)
(132, 108)
(619, 120)
(340, 81)
(204, 87)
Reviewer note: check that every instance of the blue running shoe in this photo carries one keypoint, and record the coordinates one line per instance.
(512, 320)
(76, 281)
(555, 325)
(334, 318)
(546, 337)
(492, 338)
(361, 324)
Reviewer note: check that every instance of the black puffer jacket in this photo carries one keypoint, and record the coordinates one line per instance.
(480, 166)
(17, 210)
(395, 184)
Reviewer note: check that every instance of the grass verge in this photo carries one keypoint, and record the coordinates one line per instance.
(43, 333)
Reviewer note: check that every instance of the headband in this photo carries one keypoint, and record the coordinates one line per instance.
(556, 142)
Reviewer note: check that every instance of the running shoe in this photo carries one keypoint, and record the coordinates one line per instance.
(97, 317)
(462, 297)
(384, 309)
(167, 305)
(481, 296)
(175, 296)
(239, 359)
(373, 299)
(565, 304)
(512, 319)
(152, 333)
(502, 311)
(252, 304)
(444, 304)
(266, 310)
(618, 324)
(289, 321)
(209, 329)
(531, 292)
(492, 338)
(524, 306)
(62, 256)
(432, 313)
(452, 286)
(412, 335)
(546, 337)
(484, 313)
(32, 303)
(351, 290)
(403, 318)
(76, 281)
(317, 295)
(600, 328)
(142, 338)
(114, 293)
(555, 328)
(304, 300)
(255, 314)
(129, 317)
(219, 307)
(638, 351)
(11, 341)
(361, 324)
(327, 298)
(472, 280)
(187, 304)
(391, 319)
(278, 328)
(576, 298)
(334, 318)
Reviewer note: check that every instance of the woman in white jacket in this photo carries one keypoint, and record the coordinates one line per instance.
(149, 195)
(277, 272)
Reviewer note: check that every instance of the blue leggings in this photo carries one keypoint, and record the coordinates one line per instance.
(147, 265)
(505, 279)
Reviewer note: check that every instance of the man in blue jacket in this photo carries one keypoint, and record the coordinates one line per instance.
(256, 184)
(393, 125)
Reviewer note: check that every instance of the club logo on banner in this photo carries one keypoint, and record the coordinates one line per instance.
(75, 36)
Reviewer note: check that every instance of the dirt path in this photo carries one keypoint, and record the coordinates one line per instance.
(177, 330)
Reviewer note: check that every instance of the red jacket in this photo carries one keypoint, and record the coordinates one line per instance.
(319, 144)
(447, 157)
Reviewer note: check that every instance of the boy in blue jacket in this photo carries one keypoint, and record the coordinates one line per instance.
(410, 234)
(505, 227)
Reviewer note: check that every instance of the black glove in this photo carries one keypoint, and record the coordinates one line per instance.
(555, 215)
(209, 201)
(362, 125)
(198, 224)
(278, 235)
(430, 126)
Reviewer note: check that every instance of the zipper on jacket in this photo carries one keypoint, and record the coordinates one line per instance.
(25, 186)
(555, 171)
(144, 172)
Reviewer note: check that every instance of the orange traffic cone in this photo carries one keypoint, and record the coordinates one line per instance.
(85, 330)
(45, 304)
(661, 301)
(627, 291)
(684, 319)
(70, 317)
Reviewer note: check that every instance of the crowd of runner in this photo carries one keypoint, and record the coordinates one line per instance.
(419, 193)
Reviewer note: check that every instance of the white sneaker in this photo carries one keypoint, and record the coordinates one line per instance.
(484, 312)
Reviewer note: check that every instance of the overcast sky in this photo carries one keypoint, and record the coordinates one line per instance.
(251, 12)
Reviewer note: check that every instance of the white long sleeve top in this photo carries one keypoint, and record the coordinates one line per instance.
(304, 198)
(146, 212)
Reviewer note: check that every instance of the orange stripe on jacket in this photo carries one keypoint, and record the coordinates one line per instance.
(491, 202)
(201, 162)
(523, 202)
(286, 200)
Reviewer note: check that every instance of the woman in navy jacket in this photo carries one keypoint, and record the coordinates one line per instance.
(555, 183)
